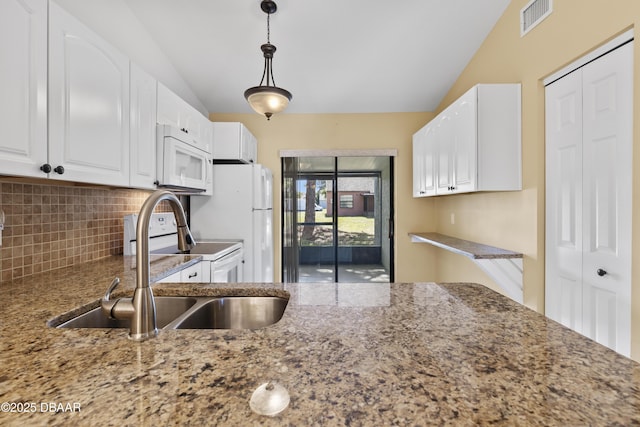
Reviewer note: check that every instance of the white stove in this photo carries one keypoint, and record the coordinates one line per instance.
(221, 259)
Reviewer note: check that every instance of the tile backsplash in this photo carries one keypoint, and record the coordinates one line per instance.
(53, 226)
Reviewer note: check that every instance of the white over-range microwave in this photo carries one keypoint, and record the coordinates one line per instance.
(181, 164)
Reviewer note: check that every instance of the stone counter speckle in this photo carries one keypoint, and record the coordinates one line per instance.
(349, 354)
(467, 248)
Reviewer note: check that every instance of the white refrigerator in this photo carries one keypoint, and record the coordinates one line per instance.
(239, 208)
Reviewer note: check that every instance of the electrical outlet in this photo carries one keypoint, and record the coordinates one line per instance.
(453, 218)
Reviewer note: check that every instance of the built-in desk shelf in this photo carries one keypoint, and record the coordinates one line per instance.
(503, 266)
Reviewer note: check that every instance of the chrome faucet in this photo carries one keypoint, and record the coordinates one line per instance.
(141, 309)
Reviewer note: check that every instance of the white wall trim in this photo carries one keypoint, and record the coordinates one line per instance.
(389, 152)
(596, 53)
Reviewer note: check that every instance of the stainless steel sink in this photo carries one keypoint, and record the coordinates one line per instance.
(197, 313)
(167, 310)
(234, 313)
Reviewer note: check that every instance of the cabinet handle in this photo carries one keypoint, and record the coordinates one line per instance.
(46, 168)
(184, 130)
(600, 272)
(192, 275)
(59, 170)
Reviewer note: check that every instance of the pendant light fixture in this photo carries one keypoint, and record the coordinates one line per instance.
(268, 99)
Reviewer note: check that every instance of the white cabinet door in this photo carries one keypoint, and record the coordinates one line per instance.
(588, 214)
(459, 156)
(418, 163)
(207, 134)
(444, 138)
(169, 107)
(464, 157)
(248, 146)
(233, 142)
(23, 87)
(192, 274)
(479, 141)
(174, 111)
(430, 158)
(190, 120)
(142, 129)
(88, 104)
(424, 160)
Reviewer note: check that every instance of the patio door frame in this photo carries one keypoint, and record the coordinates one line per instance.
(289, 273)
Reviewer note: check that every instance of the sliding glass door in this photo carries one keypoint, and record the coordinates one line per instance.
(337, 219)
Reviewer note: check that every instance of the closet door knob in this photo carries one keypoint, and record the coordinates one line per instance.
(600, 272)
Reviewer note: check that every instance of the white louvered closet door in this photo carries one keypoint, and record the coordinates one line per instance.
(589, 119)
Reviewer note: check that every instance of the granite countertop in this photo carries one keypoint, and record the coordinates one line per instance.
(348, 354)
(467, 248)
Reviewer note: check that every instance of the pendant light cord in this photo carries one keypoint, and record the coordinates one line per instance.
(268, 67)
(268, 29)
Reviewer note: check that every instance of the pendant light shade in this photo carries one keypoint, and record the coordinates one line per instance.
(268, 99)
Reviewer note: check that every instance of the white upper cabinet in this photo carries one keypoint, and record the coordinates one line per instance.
(23, 87)
(477, 142)
(169, 107)
(424, 158)
(142, 159)
(174, 111)
(444, 151)
(464, 154)
(88, 104)
(233, 143)
(74, 108)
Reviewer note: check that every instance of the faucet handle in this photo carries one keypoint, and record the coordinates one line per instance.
(107, 303)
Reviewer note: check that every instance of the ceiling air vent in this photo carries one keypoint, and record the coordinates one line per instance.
(534, 13)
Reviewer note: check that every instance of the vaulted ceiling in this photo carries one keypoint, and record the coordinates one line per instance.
(335, 56)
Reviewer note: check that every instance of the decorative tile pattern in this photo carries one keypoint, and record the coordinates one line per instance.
(53, 226)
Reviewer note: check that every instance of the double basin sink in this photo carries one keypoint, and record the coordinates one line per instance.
(229, 312)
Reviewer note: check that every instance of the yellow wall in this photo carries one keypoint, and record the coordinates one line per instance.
(516, 220)
(513, 220)
(353, 131)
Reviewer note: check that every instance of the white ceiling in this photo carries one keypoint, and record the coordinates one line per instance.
(334, 56)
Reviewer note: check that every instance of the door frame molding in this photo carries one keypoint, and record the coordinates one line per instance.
(385, 152)
(389, 154)
(596, 53)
